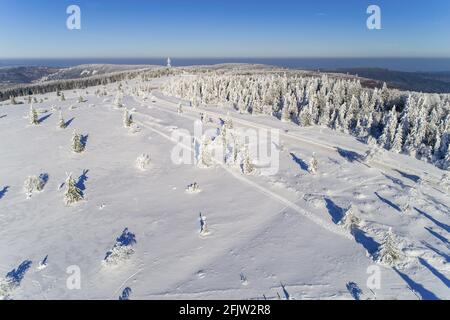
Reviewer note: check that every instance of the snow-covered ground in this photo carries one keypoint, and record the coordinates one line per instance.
(269, 236)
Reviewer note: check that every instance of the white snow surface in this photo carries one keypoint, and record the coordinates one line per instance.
(272, 231)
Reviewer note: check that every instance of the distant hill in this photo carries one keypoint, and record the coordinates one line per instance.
(18, 75)
(10, 76)
(432, 82)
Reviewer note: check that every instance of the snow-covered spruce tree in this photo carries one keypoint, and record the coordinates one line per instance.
(127, 119)
(118, 100)
(180, 109)
(81, 99)
(247, 167)
(204, 231)
(285, 114)
(73, 194)
(62, 122)
(34, 183)
(62, 97)
(13, 100)
(33, 116)
(388, 254)
(350, 220)
(77, 142)
(143, 161)
(204, 157)
(313, 164)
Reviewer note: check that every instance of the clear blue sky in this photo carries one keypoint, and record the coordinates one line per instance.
(224, 28)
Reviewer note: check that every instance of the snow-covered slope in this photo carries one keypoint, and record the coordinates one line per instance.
(269, 235)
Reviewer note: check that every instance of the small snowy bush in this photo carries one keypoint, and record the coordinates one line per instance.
(143, 162)
(193, 188)
(122, 249)
(34, 184)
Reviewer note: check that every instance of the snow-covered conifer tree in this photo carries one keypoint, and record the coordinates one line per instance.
(350, 219)
(127, 119)
(118, 100)
(204, 231)
(62, 97)
(180, 109)
(247, 167)
(204, 156)
(73, 194)
(13, 100)
(285, 113)
(313, 164)
(388, 254)
(62, 123)
(33, 116)
(77, 142)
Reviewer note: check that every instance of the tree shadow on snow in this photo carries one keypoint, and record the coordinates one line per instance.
(68, 122)
(388, 202)
(444, 226)
(16, 275)
(336, 212)
(300, 162)
(43, 118)
(411, 177)
(350, 156)
(396, 181)
(82, 180)
(126, 238)
(3, 191)
(354, 290)
(437, 274)
(286, 294)
(437, 235)
(425, 294)
(84, 139)
(367, 242)
(3, 116)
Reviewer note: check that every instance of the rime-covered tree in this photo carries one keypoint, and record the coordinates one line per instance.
(77, 142)
(247, 166)
(350, 220)
(127, 119)
(388, 254)
(73, 194)
(313, 164)
(33, 116)
(62, 122)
